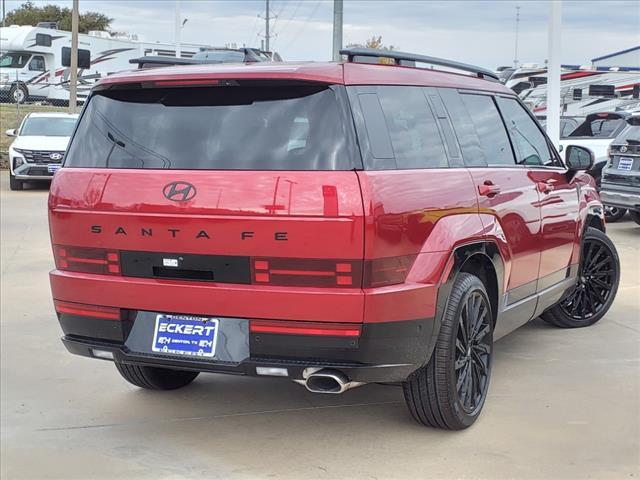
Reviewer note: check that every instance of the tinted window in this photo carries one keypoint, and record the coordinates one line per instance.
(630, 135)
(481, 133)
(412, 128)
(48, 126)
(531, 144)
(599, 127)
(231, 128)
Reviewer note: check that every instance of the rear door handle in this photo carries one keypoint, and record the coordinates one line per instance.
(545, 187)
(488, 189)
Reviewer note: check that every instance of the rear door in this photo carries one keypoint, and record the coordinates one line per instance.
(260, 177)
(507, 195)
(558, 196)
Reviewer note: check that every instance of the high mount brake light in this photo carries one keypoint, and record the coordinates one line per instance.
(83, 310)
(87, 260)
(186, 83)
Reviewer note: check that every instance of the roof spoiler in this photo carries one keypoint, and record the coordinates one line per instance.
(361, 55)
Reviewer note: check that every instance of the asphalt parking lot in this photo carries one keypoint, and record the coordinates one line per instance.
(562, 403)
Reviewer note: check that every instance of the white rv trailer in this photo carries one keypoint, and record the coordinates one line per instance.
(31, 64)
(585, 91)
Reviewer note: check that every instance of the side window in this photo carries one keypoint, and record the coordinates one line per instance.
(479, 128)
(530, 143)
(412, 127)
(37, 64)
(488, 125)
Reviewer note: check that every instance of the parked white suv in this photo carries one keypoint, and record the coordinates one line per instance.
(39, 147)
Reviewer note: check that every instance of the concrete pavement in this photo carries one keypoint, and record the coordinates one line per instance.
(562, 403)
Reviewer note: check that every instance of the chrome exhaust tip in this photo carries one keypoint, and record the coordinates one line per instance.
(328, 381)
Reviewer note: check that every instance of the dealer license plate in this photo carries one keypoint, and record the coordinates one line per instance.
(53, 167)
(625, 163)
(185, 335)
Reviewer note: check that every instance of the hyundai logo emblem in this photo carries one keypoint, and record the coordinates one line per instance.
(179, 191)
(623, 148)
(55, 156)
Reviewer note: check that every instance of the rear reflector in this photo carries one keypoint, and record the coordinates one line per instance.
(272, 371)
(104, 354)
(83, 310)
(87, 260)
(304, 328)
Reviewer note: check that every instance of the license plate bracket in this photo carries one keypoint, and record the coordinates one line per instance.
(185, 335)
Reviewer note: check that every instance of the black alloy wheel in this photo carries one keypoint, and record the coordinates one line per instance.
(595, 289)
(595, 283)
(473, 352)
(450, 390)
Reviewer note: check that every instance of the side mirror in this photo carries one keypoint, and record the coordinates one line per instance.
(579, 159)
(11, 132)
(560, 148)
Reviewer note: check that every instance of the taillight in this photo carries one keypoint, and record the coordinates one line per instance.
(387, 271)
(83, 310)
(87, 260)
(306, 272)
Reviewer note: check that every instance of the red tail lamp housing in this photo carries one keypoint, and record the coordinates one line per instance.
(303, 272)
(305, 328)
(87, 260)
(83, 310)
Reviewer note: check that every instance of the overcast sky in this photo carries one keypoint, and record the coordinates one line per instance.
(480, 32)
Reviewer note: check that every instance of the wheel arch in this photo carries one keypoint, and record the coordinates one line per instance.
(480, 258)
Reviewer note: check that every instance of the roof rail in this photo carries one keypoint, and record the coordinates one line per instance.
(410, 59)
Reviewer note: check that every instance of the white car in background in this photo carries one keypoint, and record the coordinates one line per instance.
(39, 147)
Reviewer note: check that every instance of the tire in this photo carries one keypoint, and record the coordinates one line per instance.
(155, 378)
(593, 294)
(635, 215)
(435, 393)
(613, 214)
(15, 184)
(18, 93)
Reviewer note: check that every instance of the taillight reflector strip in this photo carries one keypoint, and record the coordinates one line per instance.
(87, 259)
(83, 310)
(304, 328)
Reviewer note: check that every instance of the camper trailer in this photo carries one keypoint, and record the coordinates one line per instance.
(35, 60)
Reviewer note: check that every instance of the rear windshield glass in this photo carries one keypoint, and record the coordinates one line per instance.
(49, 126)
(216, 128)
(599, 128)
(630, 135)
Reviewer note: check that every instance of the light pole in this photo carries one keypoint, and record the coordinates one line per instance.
(337, 29)
(553, 71)
(73, 78)
(178, 30)
(515, 55)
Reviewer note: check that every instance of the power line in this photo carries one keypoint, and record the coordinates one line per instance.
(304, 24)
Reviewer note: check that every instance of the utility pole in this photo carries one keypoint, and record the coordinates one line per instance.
(73, 78)
(267, 19)
(3, 12)
(178, 30)
(553, 72)
(337, 29)
(515, 55)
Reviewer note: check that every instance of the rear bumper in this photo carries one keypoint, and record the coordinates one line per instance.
(387, 352)
(621, 199)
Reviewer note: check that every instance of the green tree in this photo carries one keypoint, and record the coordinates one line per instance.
(30, 14)
(375, 42)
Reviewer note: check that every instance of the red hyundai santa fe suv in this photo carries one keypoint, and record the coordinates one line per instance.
(331, 223)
